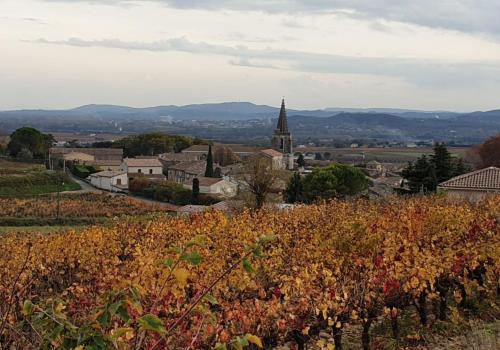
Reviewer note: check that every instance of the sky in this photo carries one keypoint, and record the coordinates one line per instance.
(418, 54)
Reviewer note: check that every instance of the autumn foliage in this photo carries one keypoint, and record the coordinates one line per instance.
(256, 279)
(74, 205)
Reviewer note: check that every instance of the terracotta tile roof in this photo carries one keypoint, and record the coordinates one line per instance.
(484, 179)
(179, 157)
(271, 153)
(137, 162)
(109, 162)
(194, 167)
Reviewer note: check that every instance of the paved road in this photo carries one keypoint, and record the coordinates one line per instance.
(86, 188)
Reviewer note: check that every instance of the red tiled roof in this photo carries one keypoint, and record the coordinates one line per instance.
(271, 153)
(484, 179)
(136, 162)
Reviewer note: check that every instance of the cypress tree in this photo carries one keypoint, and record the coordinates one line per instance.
(301, 161)
(209, 171)
(196, 191)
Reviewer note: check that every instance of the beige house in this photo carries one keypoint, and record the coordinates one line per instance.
(276, 158)
(214, 186)
(149, 168)
(114, 181)
(186, 171)
(473, 186)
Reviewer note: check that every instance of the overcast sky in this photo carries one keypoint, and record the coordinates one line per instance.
(422, 54)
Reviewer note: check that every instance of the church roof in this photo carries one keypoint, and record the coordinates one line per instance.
(282, 122)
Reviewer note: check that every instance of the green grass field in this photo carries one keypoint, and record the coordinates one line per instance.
(17, 178)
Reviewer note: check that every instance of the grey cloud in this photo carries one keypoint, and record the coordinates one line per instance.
(417, 71)
(478, 16)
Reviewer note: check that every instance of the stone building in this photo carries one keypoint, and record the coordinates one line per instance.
(473, 186)
(282, 138)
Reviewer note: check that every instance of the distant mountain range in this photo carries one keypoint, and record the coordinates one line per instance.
(249, 120)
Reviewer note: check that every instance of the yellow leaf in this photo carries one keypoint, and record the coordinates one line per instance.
(330, 322)
(330, 346)
(255, 340)
(181, 275)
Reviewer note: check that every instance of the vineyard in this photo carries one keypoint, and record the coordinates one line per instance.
(254, 280)
(88, 205)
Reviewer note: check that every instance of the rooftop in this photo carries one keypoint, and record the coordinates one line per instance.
(271, 153)
(484, 179)
(193, 167)
(108, 173)
(138, 162)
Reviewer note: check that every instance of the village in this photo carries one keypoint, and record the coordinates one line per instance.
(217, 172)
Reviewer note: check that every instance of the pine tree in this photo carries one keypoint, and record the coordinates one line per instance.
(209, 171)
(196, 191)
(443, 162)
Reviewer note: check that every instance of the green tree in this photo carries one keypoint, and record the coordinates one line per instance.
(195, 191)
(25, 155)
(421, 176)
(209, 170)
(442, 162)
(30, 139)
(294, 189)
(301, 162)
(334, 181)
(152, 144)
(428, 172)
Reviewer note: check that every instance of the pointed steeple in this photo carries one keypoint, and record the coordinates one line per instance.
(282, 122)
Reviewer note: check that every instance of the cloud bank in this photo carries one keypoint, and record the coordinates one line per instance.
(478, 16)
(423, 72)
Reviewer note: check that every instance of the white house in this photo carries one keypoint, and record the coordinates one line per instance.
(149, 168)
(214, 186)
(114, 181)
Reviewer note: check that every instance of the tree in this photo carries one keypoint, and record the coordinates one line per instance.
(196, 191)
(25, 155)
(421, 176)
(442, 162)
(294, 189)
(428, 172)
(30, 139)
(224, 156)
(334, 181)
(301, 161)
(261, 179)
(152, 144)
(489, 152)
(209, 170)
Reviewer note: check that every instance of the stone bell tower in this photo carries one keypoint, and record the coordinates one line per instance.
(282, 138)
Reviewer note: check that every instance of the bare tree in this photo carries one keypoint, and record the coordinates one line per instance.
(261, 178)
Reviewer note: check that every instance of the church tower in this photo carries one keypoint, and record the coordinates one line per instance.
(282, 138)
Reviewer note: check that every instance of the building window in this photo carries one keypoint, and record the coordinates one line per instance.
(150, 171)
(139, 171)
(118, 181)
